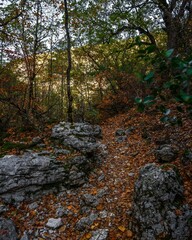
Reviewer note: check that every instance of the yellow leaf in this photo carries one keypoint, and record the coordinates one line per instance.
(122, 228)
(86, 236)
(94, 225)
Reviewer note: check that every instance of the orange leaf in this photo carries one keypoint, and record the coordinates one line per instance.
(122, 228)
(129, 234)
(100, 207)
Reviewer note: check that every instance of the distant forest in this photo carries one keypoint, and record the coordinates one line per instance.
(87, 60)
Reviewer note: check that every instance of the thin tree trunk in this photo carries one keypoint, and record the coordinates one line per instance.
(68, 73)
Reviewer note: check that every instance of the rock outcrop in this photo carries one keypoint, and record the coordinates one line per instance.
(157, 205)
(33, 174)
(27, 176)
(78, 136)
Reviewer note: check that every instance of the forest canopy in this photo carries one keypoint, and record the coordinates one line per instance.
(73, 59)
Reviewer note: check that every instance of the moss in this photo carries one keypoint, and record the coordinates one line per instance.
(10, 145)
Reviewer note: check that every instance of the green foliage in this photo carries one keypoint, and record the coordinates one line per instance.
(10, 145)
(92, 116)
(176, 75)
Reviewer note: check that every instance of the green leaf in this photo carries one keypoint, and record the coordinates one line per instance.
(139, 75)
(167, 84)
(149, 100)
(151, 49)
(164, 119)
(189, 71)
(149, 76)
(187, 98)
(169, 52)
(141, 107)
(138, 100)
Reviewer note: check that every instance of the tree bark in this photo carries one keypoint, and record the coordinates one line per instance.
(68, 72)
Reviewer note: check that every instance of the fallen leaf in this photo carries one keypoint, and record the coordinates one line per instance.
(129, 234)
(122, 228)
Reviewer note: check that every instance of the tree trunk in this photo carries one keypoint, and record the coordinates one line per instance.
(68, 73)
(176, 19)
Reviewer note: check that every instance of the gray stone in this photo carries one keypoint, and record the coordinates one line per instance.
(33, 206)
(101, 177)
(54, 223)
(62, 151)
(25, 236)
(30, 175)
(90, 200)
(187, 157)
(43, 153)
(61, 211)
(102, 192)
(156, 192)
(131, 174)
(121, 139)
(37, 140)
(3, 208)
(76, 178)
(120, 132)
(129, 130)
(100, 234)
(7, 230)
(86, 221)
(24, 176)
(103, 214)
(78, 136)
(33, 174)
(166, 153)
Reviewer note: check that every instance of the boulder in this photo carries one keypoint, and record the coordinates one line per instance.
(7, 230)
(166, 153)
(30, 175)
(33, 174)
(157, 200)
(78, 136)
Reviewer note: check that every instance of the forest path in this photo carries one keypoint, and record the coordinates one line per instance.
(105, 202)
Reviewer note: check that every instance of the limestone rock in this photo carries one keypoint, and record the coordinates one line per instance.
(79, 136)
(23, 176)
(37, 140)
(187, 158)
(86, 221)
(121, 139)
(166, 153)
(7, 230)
(54, 223)
(31, 175)
(100, 234)
(155, 195)
(25, 236)
(61, 211)
(119, 132)
(90, 200)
